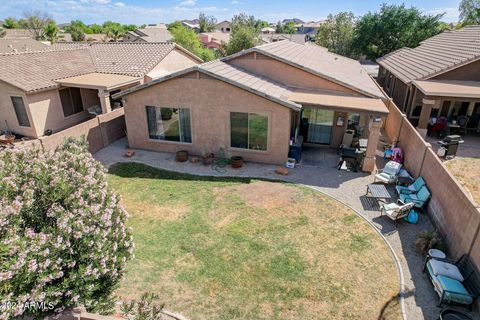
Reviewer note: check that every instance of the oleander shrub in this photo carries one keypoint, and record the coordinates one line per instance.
(63, 239)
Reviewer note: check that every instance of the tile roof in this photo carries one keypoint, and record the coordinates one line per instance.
(18, 33)
(317, 60)
(152, 34)
(435, 55)
(38, 70)
(13, 45)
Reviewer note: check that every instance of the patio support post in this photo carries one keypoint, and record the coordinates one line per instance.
(373, 138)
(105, 101)
(425, 116)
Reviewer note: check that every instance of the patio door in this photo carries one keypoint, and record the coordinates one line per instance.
(319, 124)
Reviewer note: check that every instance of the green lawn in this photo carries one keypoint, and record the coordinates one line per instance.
(217, 248)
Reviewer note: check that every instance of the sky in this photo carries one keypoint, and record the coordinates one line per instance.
(155, 11)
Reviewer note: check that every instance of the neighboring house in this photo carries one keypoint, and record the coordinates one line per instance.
(268, 30)
(18, 33)
(256, 103)
(98, 37)
(310, 28)
(54, 89)
(191, 24)
(157, 33)
(223, 26)
(439, 78)
(274, 37)
(15, 45)
(213, 40)
(64, 37)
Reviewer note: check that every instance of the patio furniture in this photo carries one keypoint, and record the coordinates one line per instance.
(397, 155)
(413, 188)
(449, 146)
(389, 174)
(353, 155)
(378, 191)
(396, 211)
(439, 126)
(456, 282)
(438, 254)
(450, 314)
(462, 122)
(420, 198)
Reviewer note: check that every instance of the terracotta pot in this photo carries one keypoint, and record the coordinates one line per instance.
(7, 139)
(236, 162)
(181, 156)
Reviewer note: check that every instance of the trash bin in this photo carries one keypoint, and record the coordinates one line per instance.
(450, 144)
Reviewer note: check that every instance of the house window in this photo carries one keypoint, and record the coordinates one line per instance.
(20, 111)
(417, 111)
(169, 124)
(248, 131)
(71, 101)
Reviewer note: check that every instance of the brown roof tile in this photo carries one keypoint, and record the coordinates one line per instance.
(435, 55)
(14, 45)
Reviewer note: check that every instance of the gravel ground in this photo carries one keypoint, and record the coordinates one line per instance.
(347, 187)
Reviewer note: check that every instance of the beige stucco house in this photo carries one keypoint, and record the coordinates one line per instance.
(439, 78)
(257, 103)
(47, 91)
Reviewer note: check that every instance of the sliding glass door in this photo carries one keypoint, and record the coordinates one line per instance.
(320, 124)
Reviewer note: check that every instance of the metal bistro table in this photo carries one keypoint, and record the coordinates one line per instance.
(378, 191)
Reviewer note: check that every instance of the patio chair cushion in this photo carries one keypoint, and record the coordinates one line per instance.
(456, 291)
(413, 188)
(441, 268)
(423, 194)
(385, 177)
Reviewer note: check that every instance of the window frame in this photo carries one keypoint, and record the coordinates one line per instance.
(71, 101)
(169, 141)
(263, 113)
(24, 106)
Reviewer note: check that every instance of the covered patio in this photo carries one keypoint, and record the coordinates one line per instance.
(105, 83)
(454, 103)
(338, 120)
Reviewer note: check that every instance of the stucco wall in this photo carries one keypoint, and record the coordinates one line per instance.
(47, 113)
(400, 93)
(174, 61)
(89, 97)
(7, 113)
(284, 73)
(210, 102)
(470, 72)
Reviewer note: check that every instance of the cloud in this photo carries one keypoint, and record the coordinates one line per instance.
(450, 14)
(188, 3)
(120, 4)
(235, 2)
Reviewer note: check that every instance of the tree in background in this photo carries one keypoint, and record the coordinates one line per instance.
(289, 28)
(64, 240)
(279, 27)
(469, 12)
(76, 30)
(392, 28)
(2, 32)
(51, 32)
(206, 23)
(336, 33)
(245, 33)
(260, 24)
(36, 21)
(188, 39)
(96, 28)
(10, 23)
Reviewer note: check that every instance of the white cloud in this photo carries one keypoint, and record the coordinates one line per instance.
(235, 2)
(450, 14)
(188, 3)
(120, 4)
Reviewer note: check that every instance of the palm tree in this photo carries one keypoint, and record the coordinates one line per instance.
(51, 32)
(115, 32)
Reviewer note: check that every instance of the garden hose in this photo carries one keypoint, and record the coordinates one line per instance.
(220, 163)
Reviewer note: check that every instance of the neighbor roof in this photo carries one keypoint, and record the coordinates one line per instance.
(436, 55)
(18, 33)
(95, 80)
(39, 70)
(317, 60)
(449, 88)
(153, 34)
(13, 45)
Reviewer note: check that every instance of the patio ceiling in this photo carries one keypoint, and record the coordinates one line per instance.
(96, 80)
(449, 88)
(341, 102)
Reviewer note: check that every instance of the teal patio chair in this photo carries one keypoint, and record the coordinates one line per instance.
(413, 188)
(420, 198)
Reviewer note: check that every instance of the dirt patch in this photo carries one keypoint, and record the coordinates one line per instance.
(167, 213)
(467, 173)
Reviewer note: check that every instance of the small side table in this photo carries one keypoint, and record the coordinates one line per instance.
(435, 253)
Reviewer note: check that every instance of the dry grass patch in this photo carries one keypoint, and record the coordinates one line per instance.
(467, 171)
(252, 250)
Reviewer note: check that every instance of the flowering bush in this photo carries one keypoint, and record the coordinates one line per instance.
(63, 240)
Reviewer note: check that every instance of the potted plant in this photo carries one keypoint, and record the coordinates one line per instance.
(236, 162)
(166, 113)
(181, 156)
(207, 159)
(7, 138)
